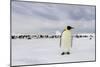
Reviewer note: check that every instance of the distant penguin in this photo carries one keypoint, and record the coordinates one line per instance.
(66, 40)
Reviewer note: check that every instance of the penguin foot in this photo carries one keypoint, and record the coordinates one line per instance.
(68, 53)
(62, 53)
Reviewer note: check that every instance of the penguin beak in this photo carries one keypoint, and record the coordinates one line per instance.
(72, 27)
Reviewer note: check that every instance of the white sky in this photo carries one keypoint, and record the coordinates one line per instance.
(31, 17)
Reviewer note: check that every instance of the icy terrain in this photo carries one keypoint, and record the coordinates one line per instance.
(41, 51)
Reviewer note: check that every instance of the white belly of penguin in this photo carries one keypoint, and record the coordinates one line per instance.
(66, 40)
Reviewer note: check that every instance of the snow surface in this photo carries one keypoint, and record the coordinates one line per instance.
(44, 51)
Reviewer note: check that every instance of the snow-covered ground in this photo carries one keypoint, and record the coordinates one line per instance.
(43, 51)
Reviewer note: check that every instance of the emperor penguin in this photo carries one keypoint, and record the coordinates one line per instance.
(66, 40)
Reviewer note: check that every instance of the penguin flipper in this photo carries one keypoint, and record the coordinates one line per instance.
(60, 38)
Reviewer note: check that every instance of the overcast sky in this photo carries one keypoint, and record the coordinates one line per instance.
(31, 17)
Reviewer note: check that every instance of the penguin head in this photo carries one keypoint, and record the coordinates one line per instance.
(69, 28)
